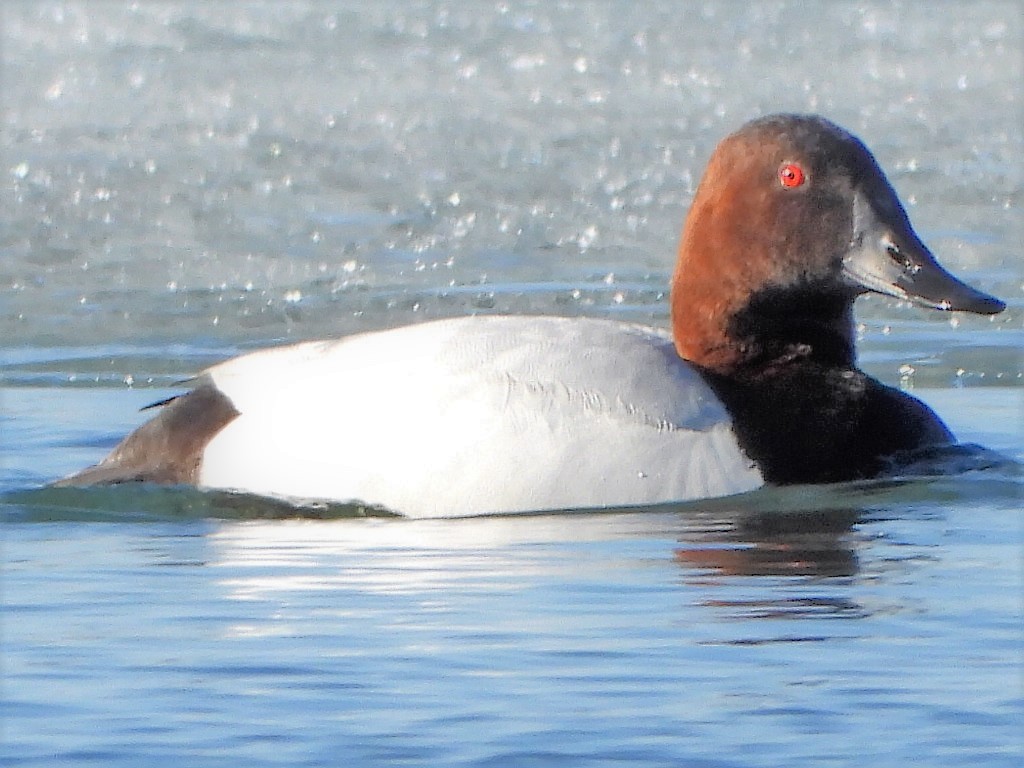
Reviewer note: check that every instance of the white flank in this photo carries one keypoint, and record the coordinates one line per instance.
(477, 415)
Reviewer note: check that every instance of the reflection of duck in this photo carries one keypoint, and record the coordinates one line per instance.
(709, 557)
(808, 555)
(773, 543)
(758, 383)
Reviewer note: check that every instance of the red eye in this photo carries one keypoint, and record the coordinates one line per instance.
(791, 175)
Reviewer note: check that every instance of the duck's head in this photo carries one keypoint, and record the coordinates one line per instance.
(791, 222)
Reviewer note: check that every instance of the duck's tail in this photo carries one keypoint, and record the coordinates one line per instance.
(169, 447)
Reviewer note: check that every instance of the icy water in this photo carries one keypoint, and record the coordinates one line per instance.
(184, 181)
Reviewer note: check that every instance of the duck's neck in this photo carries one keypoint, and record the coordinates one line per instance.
(772, 330)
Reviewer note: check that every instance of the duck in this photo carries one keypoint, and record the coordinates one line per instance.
(755, 383)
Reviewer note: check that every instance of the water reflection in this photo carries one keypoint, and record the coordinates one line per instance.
(371, 564)
(741, 543)
(769, 566)
(809, 543)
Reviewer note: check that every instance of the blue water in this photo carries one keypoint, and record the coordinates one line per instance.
(185, 181)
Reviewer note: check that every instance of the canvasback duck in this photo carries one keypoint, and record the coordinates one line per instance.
(757, 383)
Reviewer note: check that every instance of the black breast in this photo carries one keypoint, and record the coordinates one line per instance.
(809, 423)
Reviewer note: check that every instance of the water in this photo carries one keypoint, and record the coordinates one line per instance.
(186, 181)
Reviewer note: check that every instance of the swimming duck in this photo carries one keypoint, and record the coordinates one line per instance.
(756, 384)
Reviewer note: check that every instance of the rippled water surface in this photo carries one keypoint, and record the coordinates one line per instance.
(184, 181)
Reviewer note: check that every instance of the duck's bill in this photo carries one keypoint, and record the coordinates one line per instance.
(892, 260)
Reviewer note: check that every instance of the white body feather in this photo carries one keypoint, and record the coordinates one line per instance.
(477, 415)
